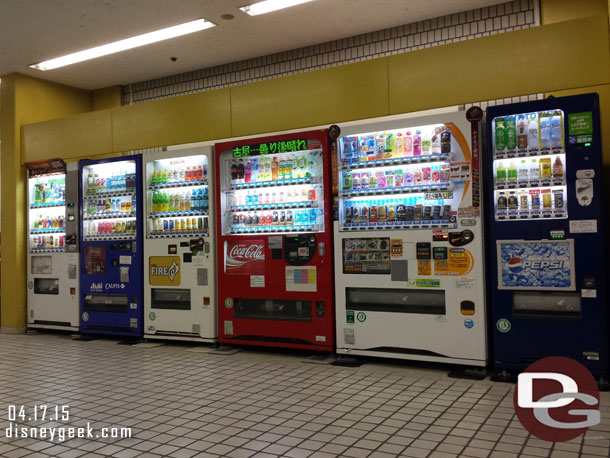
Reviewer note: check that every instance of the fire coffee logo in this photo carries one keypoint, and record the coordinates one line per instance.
(247, 257)
(557, 399)
(164, 270)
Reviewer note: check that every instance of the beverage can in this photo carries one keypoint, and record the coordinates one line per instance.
(348, 214)
(282, 217)
(289, 217)
(523, 200)
(535, 201)
(558, 198)
(513, 204)
(546, 200)
(502, 202)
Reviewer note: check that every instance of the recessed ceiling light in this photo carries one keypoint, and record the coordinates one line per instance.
(268, 6)
(123, 45)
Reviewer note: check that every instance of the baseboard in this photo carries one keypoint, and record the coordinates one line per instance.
(7, 330)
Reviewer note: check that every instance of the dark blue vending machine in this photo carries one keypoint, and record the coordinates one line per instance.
(545, 241)
(111, 246)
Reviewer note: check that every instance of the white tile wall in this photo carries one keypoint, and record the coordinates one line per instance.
(514, 15)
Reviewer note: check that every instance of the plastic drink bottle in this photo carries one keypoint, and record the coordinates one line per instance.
(380, 146)
(500, 135)
(274, 169)
(389, 145)
(436, 140)
(556, 137)
(513, 173)
(534, 172)
(426, 144)
(545, 131)
(545, 168)
(511, 133)
(521, 132)
(398, 145)
(417, 147)
(523, 173)
(248, 172)
(557, 168)
(408, 144)
(446, 140)
(533, 134)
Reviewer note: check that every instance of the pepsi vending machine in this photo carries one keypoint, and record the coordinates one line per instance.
(546, 245)
(111, 246)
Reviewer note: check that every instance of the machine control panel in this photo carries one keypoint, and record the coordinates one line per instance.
(300, 249)
(439, 253)
(423, 250)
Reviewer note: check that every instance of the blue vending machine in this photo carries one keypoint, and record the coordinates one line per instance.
(548, 277)
(111, 246)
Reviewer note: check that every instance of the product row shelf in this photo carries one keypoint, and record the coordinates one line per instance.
(48, 205)
(276, 206)
(531, 183)
(274, 229)
(400, 190)
(179, 213)
(104, 237)
(530, 214)
(47, 250)
(510, 153)
(174, 234)
(392, 225)
(178, 184)
(396, 161)
(110, 215)
(267, 184)
(52, 230)
(117, 193)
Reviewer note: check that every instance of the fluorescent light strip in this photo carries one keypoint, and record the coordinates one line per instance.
(123, 45)
(268, 6)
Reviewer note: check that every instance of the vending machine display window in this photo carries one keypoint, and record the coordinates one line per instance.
(109, 201)
(46, 286)
(400, 178)
(529, 166)
(274, 192)
(47, 213)
(178, 197)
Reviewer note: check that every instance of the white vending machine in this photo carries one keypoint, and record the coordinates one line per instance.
(53, 262)
(409, 271)
(179, 252)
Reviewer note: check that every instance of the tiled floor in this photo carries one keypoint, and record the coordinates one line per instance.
(182, 403)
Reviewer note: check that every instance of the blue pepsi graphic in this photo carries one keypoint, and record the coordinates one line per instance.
(535, 264)
(468, 324)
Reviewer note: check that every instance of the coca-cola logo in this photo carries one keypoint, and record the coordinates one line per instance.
(244, 257)
(248, 253)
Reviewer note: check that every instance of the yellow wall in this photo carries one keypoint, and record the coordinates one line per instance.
(569, 53)
(24, 100)
(552, 11)
(575, 54)
(108, 97)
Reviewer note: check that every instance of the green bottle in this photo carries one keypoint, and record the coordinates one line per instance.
(511, 133)
(500, 135)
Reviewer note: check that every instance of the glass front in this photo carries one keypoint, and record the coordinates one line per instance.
(274, 192)
(529, 166)
(177, 196)
(401, 178)
(47, 213)
(109, 201)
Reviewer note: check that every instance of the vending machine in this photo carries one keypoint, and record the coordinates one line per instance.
(179, 262)
(546, 245)
(409, 263)
(53, 264)
(275, 266)
(111, 246)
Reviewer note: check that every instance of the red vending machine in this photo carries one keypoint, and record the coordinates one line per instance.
(275, 256)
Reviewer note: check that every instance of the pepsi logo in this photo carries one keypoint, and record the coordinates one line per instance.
(515, 265)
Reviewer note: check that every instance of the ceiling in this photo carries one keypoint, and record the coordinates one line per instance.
(35, 30)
